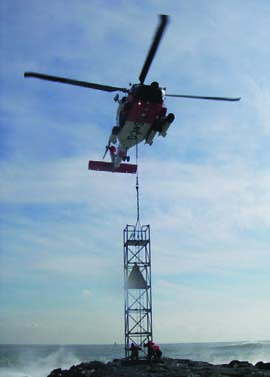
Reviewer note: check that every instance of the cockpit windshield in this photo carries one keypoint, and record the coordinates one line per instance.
(148, 93)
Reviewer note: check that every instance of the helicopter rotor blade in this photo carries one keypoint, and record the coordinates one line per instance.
(163, 21)
(204, 97)
(84, 84)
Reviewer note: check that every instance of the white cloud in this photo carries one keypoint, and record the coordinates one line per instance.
(87, 293)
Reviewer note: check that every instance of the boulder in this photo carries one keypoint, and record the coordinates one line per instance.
(262, 365)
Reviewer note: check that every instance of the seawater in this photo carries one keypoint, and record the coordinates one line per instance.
(40, 360)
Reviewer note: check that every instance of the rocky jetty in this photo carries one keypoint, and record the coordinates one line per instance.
(168, 368)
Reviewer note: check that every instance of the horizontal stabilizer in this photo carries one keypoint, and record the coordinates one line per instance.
(108, 166)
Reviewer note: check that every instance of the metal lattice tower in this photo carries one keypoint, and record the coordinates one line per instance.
(137, 283)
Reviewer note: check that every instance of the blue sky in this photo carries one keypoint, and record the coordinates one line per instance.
(205, 188)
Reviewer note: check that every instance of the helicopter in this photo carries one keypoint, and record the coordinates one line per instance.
(141, 113)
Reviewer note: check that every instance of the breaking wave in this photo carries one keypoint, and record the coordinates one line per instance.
(31, 361)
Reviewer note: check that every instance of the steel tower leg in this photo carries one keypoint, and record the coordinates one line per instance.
(137, 285)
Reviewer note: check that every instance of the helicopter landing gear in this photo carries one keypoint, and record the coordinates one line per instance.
(115, 132)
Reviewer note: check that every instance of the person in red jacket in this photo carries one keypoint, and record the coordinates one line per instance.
(151, 351)
(158, 352)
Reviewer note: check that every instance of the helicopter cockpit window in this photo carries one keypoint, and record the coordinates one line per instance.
(136, 91)
(147, 93)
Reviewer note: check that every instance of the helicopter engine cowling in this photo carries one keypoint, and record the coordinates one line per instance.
(150, 137)
(165, 126)
(161, 126)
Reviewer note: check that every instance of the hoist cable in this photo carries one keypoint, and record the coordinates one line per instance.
(137, 186)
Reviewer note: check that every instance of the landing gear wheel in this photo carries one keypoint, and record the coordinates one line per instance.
(115, 130)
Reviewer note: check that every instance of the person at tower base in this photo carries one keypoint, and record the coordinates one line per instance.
(150, 350)
(154, 351)
(134, 348)
(158, 352)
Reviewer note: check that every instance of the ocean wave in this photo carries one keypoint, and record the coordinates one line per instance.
(39, 361)
(245, 345)
(35, 361)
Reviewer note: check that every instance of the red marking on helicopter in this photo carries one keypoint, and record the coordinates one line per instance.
(109, 167)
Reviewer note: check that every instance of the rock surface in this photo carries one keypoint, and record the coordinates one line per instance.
(168, 368)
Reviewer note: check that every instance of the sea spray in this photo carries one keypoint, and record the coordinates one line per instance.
(37, 361)
(40, 360)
